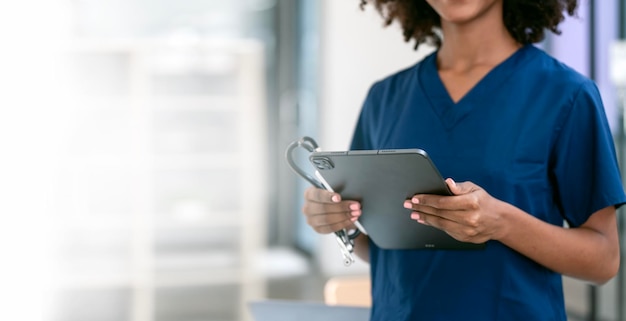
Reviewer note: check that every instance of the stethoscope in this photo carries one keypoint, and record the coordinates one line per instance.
(344, 239)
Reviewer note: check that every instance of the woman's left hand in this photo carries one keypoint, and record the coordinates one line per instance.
(471, 215)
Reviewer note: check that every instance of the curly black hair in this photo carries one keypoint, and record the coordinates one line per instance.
(526, 20)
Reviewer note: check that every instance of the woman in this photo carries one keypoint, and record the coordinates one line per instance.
(525, 142)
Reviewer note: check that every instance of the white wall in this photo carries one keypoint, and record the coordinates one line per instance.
(356, 51)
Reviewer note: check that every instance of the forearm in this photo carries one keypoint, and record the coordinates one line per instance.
(581, 252)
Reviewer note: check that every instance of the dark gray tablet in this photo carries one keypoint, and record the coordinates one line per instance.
(382, 180)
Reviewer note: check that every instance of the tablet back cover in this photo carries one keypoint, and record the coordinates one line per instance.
(382, 180)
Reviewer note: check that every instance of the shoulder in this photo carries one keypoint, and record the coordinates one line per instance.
(554, 87)
(401, 81)
(384, 102)
(554, 75)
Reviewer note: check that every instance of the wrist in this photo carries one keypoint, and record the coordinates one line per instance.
(506, 214)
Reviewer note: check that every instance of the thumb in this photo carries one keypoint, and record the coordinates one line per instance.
(460, 188)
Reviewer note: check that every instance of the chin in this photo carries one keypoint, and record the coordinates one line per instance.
(462, 11)
(458, 18)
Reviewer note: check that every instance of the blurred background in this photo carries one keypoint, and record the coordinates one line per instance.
(142, 172)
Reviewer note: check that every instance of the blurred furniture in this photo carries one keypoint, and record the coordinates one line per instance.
(164, 207)
(348, 290)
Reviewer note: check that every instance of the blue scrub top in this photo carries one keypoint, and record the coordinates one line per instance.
(532, 133)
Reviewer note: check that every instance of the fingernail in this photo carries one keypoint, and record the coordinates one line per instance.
(356, 213)
(408, 204)
(415, 200)
(355, 206)
(354, 219)
(336, 198)
(417, 217)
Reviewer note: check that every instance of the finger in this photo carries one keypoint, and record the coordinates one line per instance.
(452, 186)
(462, 200)
(315, 208)
(428, 209)
(321, 195)
(431, 220)
(330, 222)
(326, 229)
(448, 206)
(326, 218)
(457, 214)
(435, 201)
(459, 188)
(429, 203)
(458, 231)
(454, 213)
(434, 221)
(438, 213)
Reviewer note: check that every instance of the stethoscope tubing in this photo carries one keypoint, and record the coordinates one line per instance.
(311, 146)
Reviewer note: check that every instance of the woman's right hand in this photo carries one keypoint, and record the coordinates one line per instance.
(326, 213)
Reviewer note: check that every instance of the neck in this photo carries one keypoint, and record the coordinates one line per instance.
(481, 41)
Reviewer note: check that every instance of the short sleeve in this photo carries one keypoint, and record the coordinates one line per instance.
(584, 168)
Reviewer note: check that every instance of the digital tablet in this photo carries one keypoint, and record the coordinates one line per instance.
(382, 180)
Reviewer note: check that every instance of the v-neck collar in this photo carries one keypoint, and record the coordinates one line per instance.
(449, 112)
